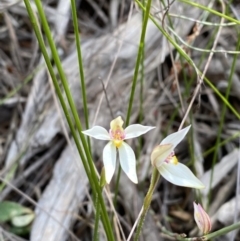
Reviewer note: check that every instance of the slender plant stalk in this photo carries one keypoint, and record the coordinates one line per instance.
(211, 10)
(88, 165)
(80, 64)
(24, 82)
(236, 135)
(135, 77)
(140, 118)
(223, 98)
(222, 231)
(147, 202)
(97, 217)
(209, 236)
(138, 61)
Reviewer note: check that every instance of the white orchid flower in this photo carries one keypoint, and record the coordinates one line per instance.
(116, 137)
(164, 159)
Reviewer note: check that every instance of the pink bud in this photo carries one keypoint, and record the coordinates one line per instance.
(202, 219)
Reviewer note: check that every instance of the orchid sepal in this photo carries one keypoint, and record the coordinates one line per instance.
(136, 130)
(202, 219)
(176, 137)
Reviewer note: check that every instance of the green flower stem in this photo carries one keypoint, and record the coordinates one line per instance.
(147, 202)
(209, 236)
(88, 165)
(222, 231)
(97, 217)
(203, 238)
(80, 64)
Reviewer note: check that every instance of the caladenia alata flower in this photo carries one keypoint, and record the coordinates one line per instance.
(202, 219)
(116, 136)
(164, 159)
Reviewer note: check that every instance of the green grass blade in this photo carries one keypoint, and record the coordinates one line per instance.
(135, 77)
(138, 61)
(195, 4)
(19, 87)
(80, 64)
(88, 163)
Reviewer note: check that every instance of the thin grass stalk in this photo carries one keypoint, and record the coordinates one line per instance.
(209, 44)
(210, 150)
(138, 61)
(186, 92)
(189, 60)
(89, 167)
(223, 114)
(223, 98)
(211, 10)
(140, 118)
(135, 77)
(20, 86)
(80, 65)
(97, 217)
(147, 202)
(222, 231)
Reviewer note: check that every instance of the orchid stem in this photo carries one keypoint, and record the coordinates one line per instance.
(147, 202)
(209, 236)
(222, 231)
(97, 217)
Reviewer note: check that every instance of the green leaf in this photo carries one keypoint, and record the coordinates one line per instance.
(9, 210)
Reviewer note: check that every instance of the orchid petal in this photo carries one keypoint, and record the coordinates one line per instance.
(160, 154)
(109, 160)
(176, 137)
(128, 161)
(97, 132)
(136, 130)
(180, 175)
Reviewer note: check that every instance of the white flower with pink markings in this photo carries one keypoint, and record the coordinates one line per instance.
(116, 136)
(164, 159)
